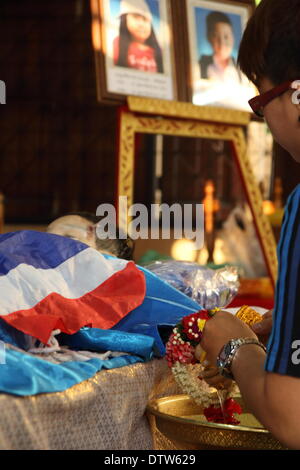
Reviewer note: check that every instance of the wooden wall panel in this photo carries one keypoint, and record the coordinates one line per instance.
(57, 144)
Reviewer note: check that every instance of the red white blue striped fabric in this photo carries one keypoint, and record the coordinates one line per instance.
(49, 282)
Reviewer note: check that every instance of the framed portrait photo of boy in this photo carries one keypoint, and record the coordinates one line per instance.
(134, 49)
(215, 30)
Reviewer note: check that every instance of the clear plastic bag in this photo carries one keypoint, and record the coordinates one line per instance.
(208, 287)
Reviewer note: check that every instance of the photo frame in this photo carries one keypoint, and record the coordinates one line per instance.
(214, 31)
(134, 49)
(161, 117)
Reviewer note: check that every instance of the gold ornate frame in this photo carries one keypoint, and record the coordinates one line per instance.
(149, 116)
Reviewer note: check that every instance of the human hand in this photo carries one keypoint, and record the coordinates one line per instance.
(213, 378)
(221, 328)
(210, 373)
(264, 327)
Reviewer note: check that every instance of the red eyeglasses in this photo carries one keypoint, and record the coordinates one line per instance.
(258, 103)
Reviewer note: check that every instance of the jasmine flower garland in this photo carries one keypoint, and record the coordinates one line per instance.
(181, 358)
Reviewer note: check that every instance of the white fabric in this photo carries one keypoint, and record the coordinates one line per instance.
(54, 345)
(136, 7)
(234, 310)
(58, 354)
(25, 285)
(229, 74)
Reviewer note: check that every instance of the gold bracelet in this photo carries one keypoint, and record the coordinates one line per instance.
(248, 315)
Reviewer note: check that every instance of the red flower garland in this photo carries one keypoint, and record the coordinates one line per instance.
(178, 351)
(191, 327)
(216, 415)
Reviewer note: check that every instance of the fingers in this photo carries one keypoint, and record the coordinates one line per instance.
(264, 327)
(210, 371)
(268, 314)
(218, 382)
(214, 379)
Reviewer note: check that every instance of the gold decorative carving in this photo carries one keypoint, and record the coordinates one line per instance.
(133, 123)
(187, 111)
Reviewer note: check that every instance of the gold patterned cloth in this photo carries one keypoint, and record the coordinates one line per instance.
(105, 412)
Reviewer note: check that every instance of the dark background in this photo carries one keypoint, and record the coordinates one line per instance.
(57, 143)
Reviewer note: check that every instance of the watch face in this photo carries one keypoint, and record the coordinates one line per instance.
(220, 363)
(228, 349)
(223, 356)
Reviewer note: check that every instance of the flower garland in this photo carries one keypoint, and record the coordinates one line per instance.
(181, 357)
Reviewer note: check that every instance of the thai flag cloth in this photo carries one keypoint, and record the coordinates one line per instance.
(49, 282)
(97, 303)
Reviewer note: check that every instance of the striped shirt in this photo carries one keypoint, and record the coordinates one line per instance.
(284, 344)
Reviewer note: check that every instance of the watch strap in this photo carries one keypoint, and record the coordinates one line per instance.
(228, 352)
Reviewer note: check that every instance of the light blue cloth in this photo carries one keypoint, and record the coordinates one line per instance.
(94, 339)
(25, 375)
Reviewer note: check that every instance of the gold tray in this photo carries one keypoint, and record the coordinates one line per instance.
(179, 419)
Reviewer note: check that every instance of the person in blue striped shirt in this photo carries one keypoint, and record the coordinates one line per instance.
(270, 381)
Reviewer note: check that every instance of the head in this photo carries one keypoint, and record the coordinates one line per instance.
(220, 34)
(138, 19)
(82, 226)
(270, 56)
(136, 25)
(75, 227)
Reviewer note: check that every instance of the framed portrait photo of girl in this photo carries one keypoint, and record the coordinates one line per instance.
(215, 30)
(134, 49)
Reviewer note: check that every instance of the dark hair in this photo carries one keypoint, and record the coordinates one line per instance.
(120, 247)
(212, 19)
(125, 39)
(270, 46)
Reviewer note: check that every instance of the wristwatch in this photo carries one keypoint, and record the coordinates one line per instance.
(227, 353)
